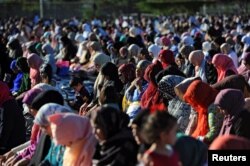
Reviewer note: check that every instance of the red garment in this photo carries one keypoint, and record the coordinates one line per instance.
(5, 93)
(163, 160)
(200, 95)
(151, 96)
(223, 63)
(166, 57)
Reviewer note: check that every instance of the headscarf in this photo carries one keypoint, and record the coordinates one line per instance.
(167, 84)
(151, 96)
(76, 133)
(196, 57)
(46, 110)
(134, 50)
(192, 152)
(36, 62)
(231, 101)
(223, 63)
(100, 59)
(200, 95)
(230, 142)
(128, 70)
(166, 57)
(182, 87)
(5, 93)
(49, 96)
(30, 95)
(154, 49)
(170, 70)
(233, 82)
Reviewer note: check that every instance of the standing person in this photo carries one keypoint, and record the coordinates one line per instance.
(12, 130)
(34, 62)
(224, 65)
(74, 132)
(160, 130)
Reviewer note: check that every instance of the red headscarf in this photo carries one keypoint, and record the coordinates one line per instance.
(128, 70)
(166, 57)
(5, 93)
(223, 63)
(151, 96)
(200, 95)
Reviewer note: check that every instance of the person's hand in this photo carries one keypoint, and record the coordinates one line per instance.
(2, 159)
(84, 109)
(6, 156)
(138, 83)
(12, 160)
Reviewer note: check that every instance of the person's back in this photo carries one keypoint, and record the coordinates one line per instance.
(12, 126)
(241, 125)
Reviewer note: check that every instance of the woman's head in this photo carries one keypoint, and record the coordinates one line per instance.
(41, 119)
(100, 59)
(22, 64)
(221, 61)
(246, 60)
(29, 97)
(46, 73)
(47, 49)
(166, 57)
(196, 57)
(34, 61)
(160, 126)
(110, 71)
(108, 95)
(230, 101)
(49, 96)
(127, 72)
(107, 122)
(151, 71)
(141, 67)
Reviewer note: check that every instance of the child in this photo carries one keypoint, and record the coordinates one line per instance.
(84, 95)
(160, 130)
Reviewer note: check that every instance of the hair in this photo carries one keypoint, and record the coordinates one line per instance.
(141, 118)
(157, 123)
(75, 81)
(108, 95)
(110, 120)
(46, 71)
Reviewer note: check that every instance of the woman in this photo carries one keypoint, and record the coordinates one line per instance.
(234, 82)
(110, 74)
(18, 77)
(243, 69)
(135, 91)
(236, 120)
(166, 57)
(49, 57)
(47, 152)
(197, 59)
(34, 62)
(151, 96)
(116, 145)
(126, 75)
(230, 142)
(22, 65)
(12, 123)
(75, 133)
(201, 97)
(224, 65)
(177, 108)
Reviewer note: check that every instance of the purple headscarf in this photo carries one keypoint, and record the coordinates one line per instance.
(30, 95)
(232, 102)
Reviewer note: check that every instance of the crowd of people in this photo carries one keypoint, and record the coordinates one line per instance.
(165, 90)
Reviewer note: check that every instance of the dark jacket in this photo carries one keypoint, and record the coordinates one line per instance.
(12, 126)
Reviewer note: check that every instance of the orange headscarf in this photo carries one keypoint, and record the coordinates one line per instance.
(200, 95)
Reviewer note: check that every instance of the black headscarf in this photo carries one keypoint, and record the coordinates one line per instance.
(170, 70)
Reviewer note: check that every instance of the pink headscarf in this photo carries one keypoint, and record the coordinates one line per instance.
(5, 93)
(223, 63)
(34, 62)
(76, 133)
